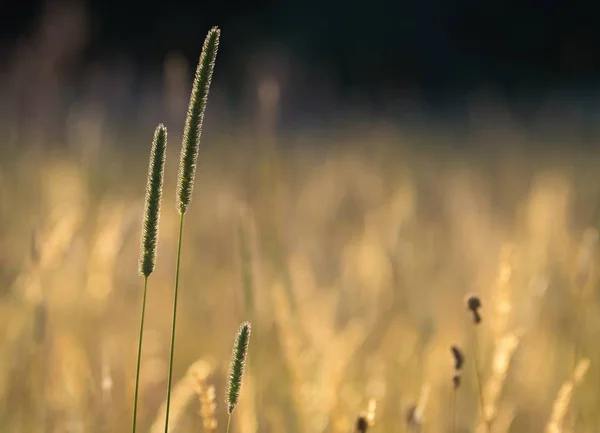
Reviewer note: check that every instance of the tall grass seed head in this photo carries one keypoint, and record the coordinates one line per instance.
(236, 368)
(154, 186)
(195, 117)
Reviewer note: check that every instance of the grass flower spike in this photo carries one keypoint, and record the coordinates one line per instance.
(193, 122)
(154, 187)
(147, 260)
(187, 167)
(236, 369)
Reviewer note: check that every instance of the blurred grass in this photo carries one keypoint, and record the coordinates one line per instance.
(350, 252)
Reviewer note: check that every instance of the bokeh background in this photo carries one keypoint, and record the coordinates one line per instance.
(363, 167)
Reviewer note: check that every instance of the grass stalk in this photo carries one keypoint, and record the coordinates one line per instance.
(149, 241)
(459, 361)
(187, 167)
(173, 323)
(453, 411)
(236, 369)
(479, 381)
(473, 304)
(228, 423)
(139, 356)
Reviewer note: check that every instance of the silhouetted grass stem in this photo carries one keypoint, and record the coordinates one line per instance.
(174, 321)
(139, 356)
(479, 382)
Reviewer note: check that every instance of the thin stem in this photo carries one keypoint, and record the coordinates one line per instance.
(139, 356)
(579, 322)
(173, 324)
(453, 410)
(228, 423)
(579, 327)
(479, 383)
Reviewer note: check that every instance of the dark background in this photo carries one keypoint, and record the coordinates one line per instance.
(373, 51)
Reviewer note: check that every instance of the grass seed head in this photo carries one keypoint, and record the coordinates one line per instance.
(362, 424)
(236, 368)
(456, 380)
(473, 304)
(206, 394)
(154, 187)
(195, 117)
(459, 359)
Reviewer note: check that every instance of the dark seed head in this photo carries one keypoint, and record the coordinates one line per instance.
(459, 359)
(474, 304)
(362, 424)
(456, 380)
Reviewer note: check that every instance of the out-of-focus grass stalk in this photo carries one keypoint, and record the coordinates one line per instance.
(474, 305)
(459, 361)
(246, 268)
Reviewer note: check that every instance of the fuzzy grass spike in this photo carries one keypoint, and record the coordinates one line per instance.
(195, 117)
(147, 261)
(236, 368)
(154, 186)
(187, 167)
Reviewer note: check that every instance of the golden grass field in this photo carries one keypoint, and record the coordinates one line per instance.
(351, 254)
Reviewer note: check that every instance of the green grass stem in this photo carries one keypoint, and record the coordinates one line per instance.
(172, 351)
(139, 356)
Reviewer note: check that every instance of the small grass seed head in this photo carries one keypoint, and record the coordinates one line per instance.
(362, 424)
(473, 304)
(236, 368)
(456, 380)
(459, 359)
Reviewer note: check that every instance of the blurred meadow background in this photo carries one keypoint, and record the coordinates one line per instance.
(347, 228)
